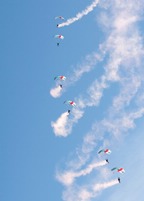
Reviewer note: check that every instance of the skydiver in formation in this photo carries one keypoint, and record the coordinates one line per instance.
(72, 104)
(59, 37)
(119, 179)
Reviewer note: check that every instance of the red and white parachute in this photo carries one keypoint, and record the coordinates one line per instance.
(120, 170)
(105, 151)
(59, 36)
(71, 103)
(59, 17)
(60, 77)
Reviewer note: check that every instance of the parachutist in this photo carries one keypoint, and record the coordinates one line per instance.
(118, 179)
(68, 111)
(60, 85)
(107, 161)
(59, 37)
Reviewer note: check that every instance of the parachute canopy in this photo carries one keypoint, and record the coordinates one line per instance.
(59, 17)
(69, 102)
(120, 170)
(60, 77)
(59, 36)
(106, 151)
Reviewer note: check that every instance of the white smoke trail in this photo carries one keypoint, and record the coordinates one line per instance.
(88, 192)
(115, 126)
(119, 125)
(63, 125)
(102, 186)
(68, 177)
(77, 193)
(56, 92)
(86, 66)
(80, 14)
(129, 88)
(125, 50)
(90, 167)
(60, 126)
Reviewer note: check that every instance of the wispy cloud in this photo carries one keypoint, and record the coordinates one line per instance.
(79, 15)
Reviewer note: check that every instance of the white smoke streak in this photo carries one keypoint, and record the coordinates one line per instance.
(94, 92)
(86, 66)
(86, 193)
(68, 177)
(125, 50)
(77, 193)
(63, 125)
(89, 9)
(130, 86)
(120, 125)
(56, 92)
(115, 126)
(102, 186)
(60, 126)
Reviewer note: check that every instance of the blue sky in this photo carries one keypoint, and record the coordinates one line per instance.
(46, 154)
